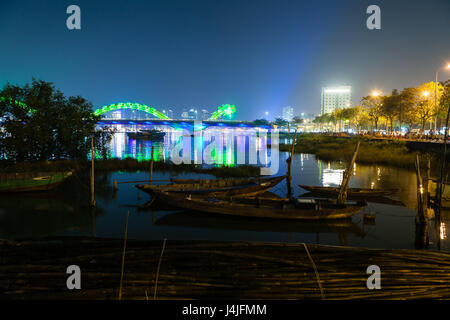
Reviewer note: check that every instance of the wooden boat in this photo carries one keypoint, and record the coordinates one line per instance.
(381, 199)
(30, 182)
(351, 192)
(218, 187)
(302, 209)
(224, 222)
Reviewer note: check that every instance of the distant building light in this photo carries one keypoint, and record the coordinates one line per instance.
(337, 90)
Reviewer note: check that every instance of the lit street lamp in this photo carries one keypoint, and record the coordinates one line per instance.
(375, 93)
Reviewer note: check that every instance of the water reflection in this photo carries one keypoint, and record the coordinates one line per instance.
(443, 231)
(66, 210)
(212, 145)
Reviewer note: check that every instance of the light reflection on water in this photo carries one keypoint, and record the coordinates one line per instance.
(234, 145)
(65, 211)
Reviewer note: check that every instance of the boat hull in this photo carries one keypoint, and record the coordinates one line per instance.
(218, 188)
(351, 192)
(281, 211)
(32, 182)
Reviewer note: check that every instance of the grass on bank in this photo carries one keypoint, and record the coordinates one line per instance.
(381, 152)
(130, 164)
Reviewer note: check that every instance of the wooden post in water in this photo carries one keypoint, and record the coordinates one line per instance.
(289, 164)
(342, 196)
(426, 191)
(123, 256)
(420, 191)
(151, 165)
(439, 189)
(92, 172)
(422, 236)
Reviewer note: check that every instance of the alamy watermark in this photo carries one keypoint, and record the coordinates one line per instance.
(73, 22)
(374, 20)
(223, 146)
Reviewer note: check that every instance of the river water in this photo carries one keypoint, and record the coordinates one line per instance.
(65, 211)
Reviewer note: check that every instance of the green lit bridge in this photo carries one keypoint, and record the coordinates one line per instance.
(224, 111)
(222, 116)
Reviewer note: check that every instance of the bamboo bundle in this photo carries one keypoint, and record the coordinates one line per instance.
(221, 270)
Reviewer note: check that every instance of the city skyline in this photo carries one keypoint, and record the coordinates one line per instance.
(260, 57)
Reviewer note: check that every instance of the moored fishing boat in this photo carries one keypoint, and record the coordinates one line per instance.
(351, 192)
(301, 209)
(30, 182)
(218, 187)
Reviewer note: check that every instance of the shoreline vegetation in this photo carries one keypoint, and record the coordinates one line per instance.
(396, 153)
(130, 164)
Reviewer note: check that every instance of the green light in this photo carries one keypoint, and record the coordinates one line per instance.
(225, 110)
(133, 106)
(17, 103)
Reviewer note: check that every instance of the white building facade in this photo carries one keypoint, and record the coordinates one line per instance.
(288, 113)
(335, 98)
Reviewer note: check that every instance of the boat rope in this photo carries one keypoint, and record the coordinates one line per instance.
(315, 270)
(157, 270)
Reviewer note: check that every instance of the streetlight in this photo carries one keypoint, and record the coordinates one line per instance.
(375, 93)
(425, 93)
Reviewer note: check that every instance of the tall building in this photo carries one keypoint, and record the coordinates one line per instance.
(335, 98)
(288, 113)
(205, 114)
(193, 114)
(168, 113)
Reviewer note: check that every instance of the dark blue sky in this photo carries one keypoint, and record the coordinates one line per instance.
(260, 55)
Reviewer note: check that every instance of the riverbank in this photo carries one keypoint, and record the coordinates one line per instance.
(216, 270)
(131, 165)
(372, 151)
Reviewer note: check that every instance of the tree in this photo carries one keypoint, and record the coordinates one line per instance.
(298, 120)
(322, 119)
(407, 103)
(40, 123)
(261, 122)
(280, 122)
(390, 107)
(373, 108)
(425, 106)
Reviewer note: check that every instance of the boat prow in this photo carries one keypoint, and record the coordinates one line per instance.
(31, 182)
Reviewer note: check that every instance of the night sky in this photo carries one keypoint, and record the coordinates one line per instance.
(260, 55)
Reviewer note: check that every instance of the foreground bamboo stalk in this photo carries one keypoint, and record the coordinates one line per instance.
(205, 270)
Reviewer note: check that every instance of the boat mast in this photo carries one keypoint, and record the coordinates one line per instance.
(342, 197)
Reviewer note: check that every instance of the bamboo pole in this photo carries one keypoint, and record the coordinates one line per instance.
(123, 256)
(342, 197)
(159, 266)
(289, 164)
(442, 175)
(420, 201)
(151, 165)
(92, 172)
